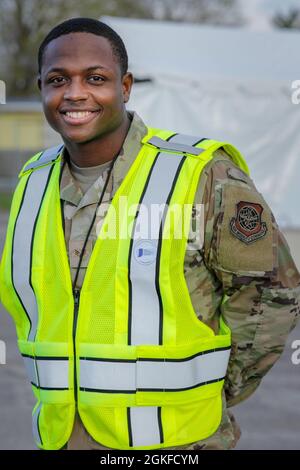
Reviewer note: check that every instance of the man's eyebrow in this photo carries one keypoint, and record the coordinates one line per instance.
(62, 69)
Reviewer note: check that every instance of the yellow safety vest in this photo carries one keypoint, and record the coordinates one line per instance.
(143, 371)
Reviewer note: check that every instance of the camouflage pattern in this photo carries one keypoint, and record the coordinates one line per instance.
(79, 209)
(261, 305)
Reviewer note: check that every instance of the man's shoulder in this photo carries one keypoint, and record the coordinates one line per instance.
(225, 170)
(42, 158)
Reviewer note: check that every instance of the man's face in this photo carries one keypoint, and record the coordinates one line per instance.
(83, 91)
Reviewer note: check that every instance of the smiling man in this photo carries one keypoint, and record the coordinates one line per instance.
(84, 93)
(131, 339)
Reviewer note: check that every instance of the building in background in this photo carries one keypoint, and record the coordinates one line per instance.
(23, 132)
(228, 84)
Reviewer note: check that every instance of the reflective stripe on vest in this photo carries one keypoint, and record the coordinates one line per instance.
(22, 244)
(24, 234)
(48, 373)
(170, 375)
(145, 301)
(177, 147)
(149, 371)
(145, 426)
(46, 157)
(145, 313)
(35, 425)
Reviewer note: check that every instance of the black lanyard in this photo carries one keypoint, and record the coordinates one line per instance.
(93, 221)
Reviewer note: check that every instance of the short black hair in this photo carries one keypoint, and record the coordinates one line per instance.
(87, 25)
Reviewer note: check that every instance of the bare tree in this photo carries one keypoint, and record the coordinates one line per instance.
(24, 23)
(287, 20)
(215, 12)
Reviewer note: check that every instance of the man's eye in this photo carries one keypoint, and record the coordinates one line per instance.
(56, 80)
(96, 78)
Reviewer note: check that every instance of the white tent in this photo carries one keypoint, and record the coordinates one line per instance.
(227, 84)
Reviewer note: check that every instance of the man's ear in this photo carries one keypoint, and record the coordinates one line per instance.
(127, 82)
(39, 82)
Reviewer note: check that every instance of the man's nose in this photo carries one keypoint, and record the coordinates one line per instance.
(75, 91)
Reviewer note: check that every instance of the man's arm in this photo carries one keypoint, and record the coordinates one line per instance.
(260, 281)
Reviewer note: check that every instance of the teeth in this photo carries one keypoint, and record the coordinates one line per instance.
(78, 115)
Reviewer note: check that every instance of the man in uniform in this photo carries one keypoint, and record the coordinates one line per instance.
(238, 266)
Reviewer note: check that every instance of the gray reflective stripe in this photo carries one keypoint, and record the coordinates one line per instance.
(22, 241)
(173, 146)
(110, 375)
(47, 156)
(189, 140)
(169, 375)
(53, 373)
(31, 370)
(145, 304)
(48, 373)
(146, 312)
(35, 425)
(144, 426)
(179, 375)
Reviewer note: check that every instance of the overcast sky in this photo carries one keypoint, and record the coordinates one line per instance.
(258, 12)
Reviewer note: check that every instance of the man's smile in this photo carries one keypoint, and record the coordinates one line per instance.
(84, 92)
(79, 117)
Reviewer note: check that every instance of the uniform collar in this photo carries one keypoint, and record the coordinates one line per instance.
(69, 188)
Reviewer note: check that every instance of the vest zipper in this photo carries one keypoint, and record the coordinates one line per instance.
(76, 294)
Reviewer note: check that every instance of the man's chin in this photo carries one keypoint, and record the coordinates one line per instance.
(77, 138)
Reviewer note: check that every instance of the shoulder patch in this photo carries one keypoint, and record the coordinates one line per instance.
(247, 225)
(245, 234)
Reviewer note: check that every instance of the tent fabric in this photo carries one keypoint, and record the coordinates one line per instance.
(226, 84)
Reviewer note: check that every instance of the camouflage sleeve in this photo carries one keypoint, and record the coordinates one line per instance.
(249, 255)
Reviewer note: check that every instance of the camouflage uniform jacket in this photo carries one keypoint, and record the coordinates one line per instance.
(259, 279)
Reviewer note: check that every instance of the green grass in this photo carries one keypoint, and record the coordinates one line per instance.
(5, 200)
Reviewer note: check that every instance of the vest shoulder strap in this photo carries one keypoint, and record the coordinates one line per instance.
(47, 156)
(178, 143)
(187, 144)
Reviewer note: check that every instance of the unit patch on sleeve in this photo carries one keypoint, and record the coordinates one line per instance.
(246, 236)
(247, 225)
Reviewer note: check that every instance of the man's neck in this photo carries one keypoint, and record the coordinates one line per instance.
(99, 151)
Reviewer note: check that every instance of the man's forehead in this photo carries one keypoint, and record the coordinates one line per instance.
(80, 38)
(88, 48)
(63, 66)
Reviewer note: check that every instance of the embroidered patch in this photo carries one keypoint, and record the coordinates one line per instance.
(247, 226)
(234, 255)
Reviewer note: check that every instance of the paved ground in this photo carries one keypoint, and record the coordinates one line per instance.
(270, 419)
